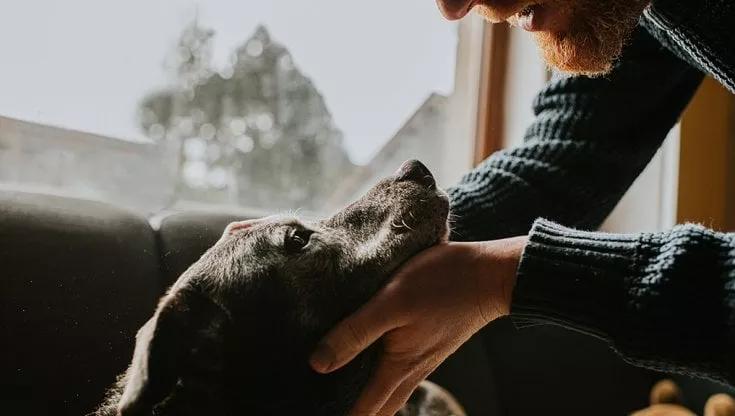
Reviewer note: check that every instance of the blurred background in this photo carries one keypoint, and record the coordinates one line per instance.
(283, 104)
(268, 105)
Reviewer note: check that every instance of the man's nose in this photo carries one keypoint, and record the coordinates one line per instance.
(455, 9)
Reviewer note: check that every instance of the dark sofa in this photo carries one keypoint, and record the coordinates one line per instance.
(78, 279)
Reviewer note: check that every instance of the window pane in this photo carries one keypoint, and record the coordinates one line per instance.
(270, 105)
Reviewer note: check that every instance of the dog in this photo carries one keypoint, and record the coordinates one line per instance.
(233, 335)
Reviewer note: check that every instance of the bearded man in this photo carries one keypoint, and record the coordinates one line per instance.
(626, 71)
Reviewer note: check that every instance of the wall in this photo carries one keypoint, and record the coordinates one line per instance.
(51, 159)
(650, 203)
(525, 75)
(706, 182)
(461, 126)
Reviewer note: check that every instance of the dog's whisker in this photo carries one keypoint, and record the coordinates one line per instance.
(406, 225)
(453, 217)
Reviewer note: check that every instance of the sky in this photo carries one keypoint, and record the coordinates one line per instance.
(84, 64)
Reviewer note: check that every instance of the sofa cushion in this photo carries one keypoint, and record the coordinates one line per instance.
(184, 236)
(79, 278)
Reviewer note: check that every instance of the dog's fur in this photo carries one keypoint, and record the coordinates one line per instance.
(234, 333)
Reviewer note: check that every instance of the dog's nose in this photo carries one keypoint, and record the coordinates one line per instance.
(413, 170)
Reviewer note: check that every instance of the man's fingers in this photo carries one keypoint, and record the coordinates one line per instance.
(389, 375)
(343, 343)
(401, 394)
(354, 334)
(398, 399)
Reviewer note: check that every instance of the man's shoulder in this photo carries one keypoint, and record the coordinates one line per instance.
(698, 32)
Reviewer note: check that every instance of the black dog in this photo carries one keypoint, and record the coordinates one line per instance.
(234, 333)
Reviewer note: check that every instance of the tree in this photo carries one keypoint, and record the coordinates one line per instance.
(170, 116)
(264, 134)
(297, 152)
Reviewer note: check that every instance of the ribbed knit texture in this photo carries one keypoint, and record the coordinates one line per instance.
(662, 300)
(700, 31)
(665, 301)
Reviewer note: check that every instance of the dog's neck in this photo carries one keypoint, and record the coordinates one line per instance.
(281, 382)
(299, 392)
(264, 371)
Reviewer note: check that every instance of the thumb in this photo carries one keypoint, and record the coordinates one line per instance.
(353, 335)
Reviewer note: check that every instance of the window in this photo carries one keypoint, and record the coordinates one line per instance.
(265, 105)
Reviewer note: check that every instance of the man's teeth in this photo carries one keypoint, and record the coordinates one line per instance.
(526, 10)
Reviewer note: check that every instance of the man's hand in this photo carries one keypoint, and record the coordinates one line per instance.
(434, 304)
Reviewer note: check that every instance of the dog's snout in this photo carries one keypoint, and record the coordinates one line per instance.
(413, 170)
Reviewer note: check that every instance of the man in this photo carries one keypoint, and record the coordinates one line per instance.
(664, 300)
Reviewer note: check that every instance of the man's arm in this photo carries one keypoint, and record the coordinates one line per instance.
(665, 301)
(590, 139)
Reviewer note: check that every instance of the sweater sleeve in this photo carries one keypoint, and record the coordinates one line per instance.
(664, 300)
(590, 139)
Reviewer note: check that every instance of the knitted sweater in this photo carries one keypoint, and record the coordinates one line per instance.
(663, 300)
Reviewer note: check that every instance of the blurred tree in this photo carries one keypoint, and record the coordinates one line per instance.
(168, 115)
(255, 133)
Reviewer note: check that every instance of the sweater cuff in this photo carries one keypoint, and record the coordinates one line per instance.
(573, 278)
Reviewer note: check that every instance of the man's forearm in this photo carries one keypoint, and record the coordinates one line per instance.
(663, 300)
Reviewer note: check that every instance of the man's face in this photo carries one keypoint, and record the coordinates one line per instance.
(575, 36)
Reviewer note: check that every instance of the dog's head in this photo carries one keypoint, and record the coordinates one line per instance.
(238, 326)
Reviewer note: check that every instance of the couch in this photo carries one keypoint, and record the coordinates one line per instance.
(79, 278)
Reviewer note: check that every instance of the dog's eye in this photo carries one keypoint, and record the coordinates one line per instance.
(297, 239)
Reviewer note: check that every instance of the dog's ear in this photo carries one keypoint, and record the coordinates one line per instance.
(186, 330)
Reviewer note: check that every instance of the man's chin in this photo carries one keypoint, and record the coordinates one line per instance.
(583, 37)
(580, 56)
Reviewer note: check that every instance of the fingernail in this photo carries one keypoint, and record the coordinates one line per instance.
(323, 358)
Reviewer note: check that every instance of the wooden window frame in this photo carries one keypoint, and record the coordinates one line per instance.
(490, 111)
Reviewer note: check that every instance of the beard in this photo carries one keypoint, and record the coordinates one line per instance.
(595, 36)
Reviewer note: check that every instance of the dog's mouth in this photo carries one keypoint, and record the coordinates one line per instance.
(423, 225)
(410, 222)
(413, 217)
